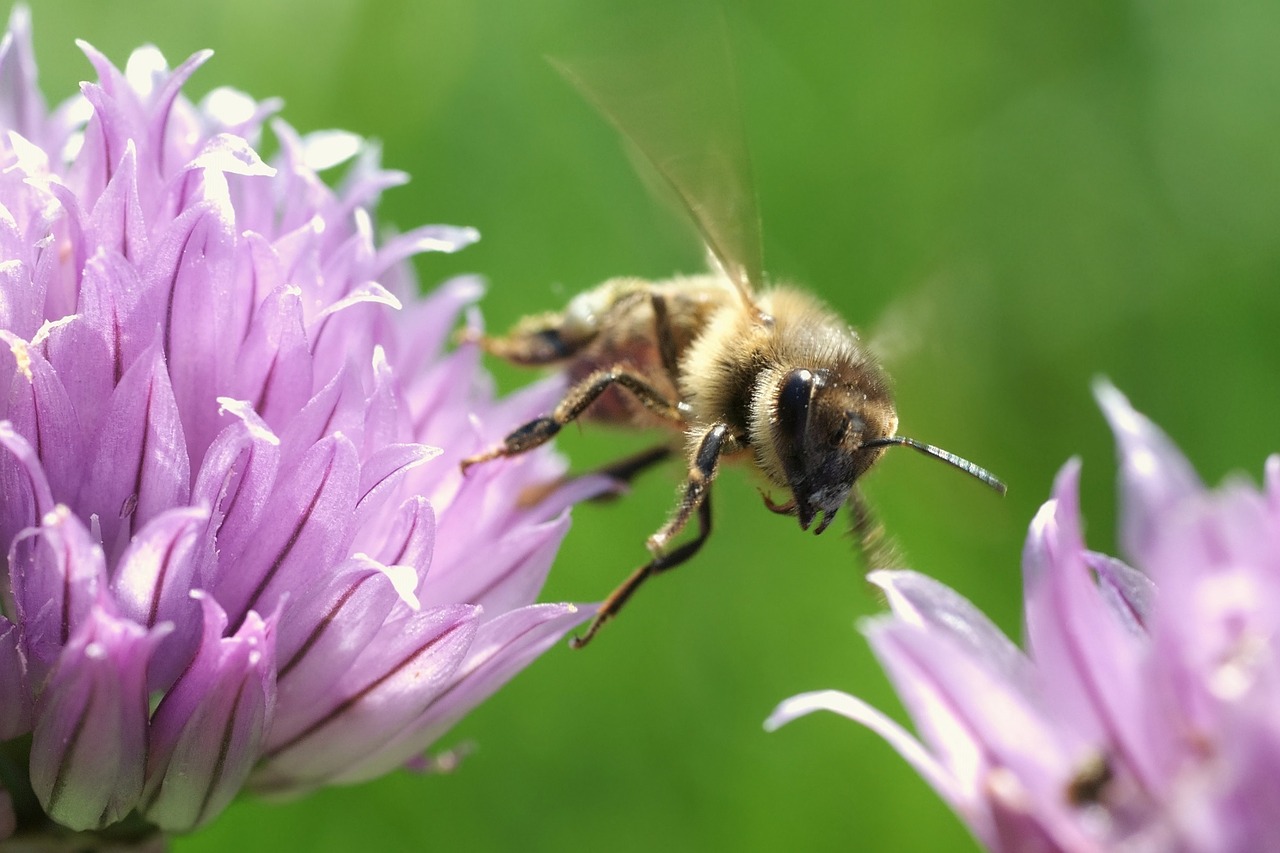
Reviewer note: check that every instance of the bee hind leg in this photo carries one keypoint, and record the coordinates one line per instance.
(541, 430)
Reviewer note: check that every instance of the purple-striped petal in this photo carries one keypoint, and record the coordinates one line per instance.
(40, 409)
(236, 479)
(15, 711)
(21, 105)
(930, 769)
(923, 601)
(206, 733)
(139, 456)
(1073, 634)
(1154, 475)
(280, 559)
(28, 497)
(386, 689)
(58, 576)
(327, 631)
(153, 582)
(502, 647)
(1129, 592)
(89, 745)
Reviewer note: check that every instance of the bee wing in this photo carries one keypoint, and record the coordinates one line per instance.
(670, 90)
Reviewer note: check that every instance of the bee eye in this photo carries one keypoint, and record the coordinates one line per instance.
(793, 403)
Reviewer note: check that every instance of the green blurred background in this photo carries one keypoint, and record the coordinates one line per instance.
(1020, 195)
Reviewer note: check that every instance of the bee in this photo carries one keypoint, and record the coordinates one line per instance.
(733, 370)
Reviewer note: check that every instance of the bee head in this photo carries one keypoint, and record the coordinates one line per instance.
(820, 430)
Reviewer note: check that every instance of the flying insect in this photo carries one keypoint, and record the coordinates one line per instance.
(733, 369)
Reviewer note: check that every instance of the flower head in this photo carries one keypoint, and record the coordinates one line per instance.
(239, 548)
(1145, 712)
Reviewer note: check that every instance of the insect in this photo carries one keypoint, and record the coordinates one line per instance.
(732, 369)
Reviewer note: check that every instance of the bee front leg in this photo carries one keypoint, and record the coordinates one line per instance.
(706, 461)
(620, 596)
(695, 498)
(541, 430)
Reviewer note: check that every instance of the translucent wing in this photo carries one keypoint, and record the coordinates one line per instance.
(668, 86)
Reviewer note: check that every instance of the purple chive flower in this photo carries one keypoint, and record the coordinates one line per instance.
(1145, 713)
(240, 552)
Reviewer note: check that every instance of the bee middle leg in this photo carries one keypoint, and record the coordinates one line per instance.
(541, 430)
(696, 497)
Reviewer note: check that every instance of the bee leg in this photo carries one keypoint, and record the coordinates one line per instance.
(629, 467)
(535, 341)
(623, 471)
(666, 340)
(662, 563)
(697, 496)
(541, 430)
(874, 545)
(715, 441)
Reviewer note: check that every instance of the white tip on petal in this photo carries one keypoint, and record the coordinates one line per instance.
(325, 149)
(404, 579)
(144, 68)
(229, 106)
(245, 412)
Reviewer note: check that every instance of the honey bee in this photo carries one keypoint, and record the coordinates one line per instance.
(732, 369)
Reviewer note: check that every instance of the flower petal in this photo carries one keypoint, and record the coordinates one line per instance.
(327, 631)
(21, 106)
(502, 648)
(140, 465)
(153, 580)
(1129, 592)
(236, 479)
(302, 527)
(58, 576)
(1154, 475)
(114, 328)
(275, 367)
(28, 497)
(191, 271)
(1088, 660)
(40, 409)
(930, 769)
(206, 733)
(15, 695)
(970, 718)
(923, 601)
(387, 688)
(89, 744)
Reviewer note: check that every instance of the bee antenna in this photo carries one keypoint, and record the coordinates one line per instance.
(945, 455)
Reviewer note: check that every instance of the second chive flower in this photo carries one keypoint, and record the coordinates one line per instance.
(1145, 712)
